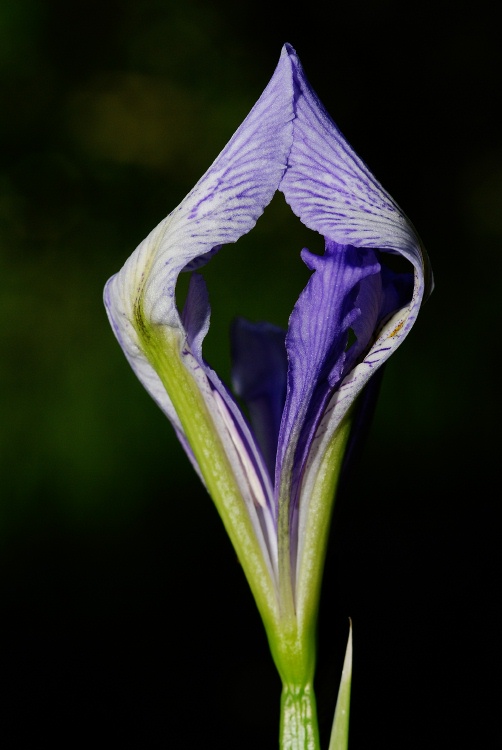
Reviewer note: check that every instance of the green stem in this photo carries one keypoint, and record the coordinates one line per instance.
(299, 729)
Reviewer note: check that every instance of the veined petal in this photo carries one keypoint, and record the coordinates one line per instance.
(316, 344)
(332, 191)
(224, 205)
(140, 302)
(227, 201)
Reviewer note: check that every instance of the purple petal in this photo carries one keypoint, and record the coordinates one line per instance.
(259, 377)
(331, 189)
(195, 319)
(361, 425)
(243, 452)
(196, 314)
(227, 201)
(333, 192)
(223, 206)
(316, 342)
(369, 302)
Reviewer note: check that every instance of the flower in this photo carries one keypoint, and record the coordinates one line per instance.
(273, 478)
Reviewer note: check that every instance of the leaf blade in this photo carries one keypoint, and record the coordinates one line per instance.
(340, 730)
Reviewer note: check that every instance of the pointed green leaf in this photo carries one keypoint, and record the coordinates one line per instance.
(340, 731)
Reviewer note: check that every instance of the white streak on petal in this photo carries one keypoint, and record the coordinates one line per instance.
(248, 467)
(250, 473)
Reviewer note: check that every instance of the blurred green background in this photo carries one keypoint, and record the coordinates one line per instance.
(124, 610)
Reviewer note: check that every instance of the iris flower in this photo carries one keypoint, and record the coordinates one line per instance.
(273, 473)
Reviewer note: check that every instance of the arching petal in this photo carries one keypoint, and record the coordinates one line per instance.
(316, 344)
(333, 192)
(140, 299)
(223, 206)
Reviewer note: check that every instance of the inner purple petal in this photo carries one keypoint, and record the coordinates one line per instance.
(195, 319)
(201, 260)
(196, 314)
(397, 287)
(259, 373)
(316, 344)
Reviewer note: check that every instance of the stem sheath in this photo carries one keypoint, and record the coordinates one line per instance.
(299, 729)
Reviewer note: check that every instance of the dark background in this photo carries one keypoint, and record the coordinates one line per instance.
(125, 615)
